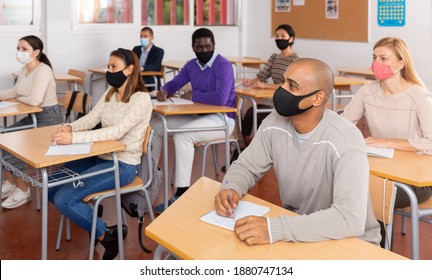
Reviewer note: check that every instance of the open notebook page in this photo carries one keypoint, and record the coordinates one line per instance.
(379, 152)
(171, 101)
(6, 104)
(243, 209)
(71, 149)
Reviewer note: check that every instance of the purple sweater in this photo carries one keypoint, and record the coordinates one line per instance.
(214, 85)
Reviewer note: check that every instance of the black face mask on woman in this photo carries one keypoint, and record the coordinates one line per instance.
(283, 43)
(115, 79)
(287, 104)
(204, 57)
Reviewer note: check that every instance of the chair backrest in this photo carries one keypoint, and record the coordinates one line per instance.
(78, 103)
(382, 193)
(145, 144)
(80, 74)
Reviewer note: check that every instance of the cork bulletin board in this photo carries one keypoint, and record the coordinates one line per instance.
(314, 20)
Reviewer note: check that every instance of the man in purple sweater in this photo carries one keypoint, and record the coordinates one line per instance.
(212, 80)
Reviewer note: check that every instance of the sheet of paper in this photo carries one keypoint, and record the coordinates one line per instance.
(72, 149)
(379, 152)
(6, 104)
(243, 209)
(172, 100)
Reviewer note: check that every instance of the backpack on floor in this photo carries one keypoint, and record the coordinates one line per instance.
(135, 203)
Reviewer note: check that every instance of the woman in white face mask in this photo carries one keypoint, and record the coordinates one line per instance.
(35, 86)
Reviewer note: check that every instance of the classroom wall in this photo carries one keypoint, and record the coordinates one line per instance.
(83, 49)
(417, 33)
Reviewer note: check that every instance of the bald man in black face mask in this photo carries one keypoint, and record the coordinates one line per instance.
(320, 163)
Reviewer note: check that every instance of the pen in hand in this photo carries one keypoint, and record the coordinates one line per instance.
(230, 200)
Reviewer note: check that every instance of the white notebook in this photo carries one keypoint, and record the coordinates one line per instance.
(71, 149)
(172, 100)
(243, 209)
(6, 104)
(379, 152)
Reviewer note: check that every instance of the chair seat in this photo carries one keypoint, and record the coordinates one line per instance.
(137, 182)
(220, 140)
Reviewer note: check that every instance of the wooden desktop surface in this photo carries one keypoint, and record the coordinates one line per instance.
(245, 61)
(366, 72)
(31, 145)
(174, 64)
(19, 109)
(190, 109)
(58, 77)
(180, 230)
(102, 71)
(405, 167)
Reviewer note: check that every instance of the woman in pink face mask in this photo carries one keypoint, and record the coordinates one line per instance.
(397, 107)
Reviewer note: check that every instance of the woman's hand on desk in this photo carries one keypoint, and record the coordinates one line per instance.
(222, 202)
(252, 230)
(62, 137)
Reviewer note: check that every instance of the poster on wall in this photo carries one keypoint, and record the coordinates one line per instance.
(332, 9)
(299, 2)
(283, 5)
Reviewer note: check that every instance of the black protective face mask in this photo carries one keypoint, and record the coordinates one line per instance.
(204, 57)
(283, 43)
(287, 104)
(115, 79)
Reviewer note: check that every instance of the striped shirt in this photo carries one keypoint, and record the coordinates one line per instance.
(275, 68)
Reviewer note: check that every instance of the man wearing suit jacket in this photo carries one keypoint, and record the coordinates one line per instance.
(149, 55)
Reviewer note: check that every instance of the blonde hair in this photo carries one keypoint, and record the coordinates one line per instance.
(400, 49)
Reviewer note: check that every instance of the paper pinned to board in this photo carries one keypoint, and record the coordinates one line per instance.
(6, 104)
(171, 101)
(243, 209)
(71, 149)
(379, 152)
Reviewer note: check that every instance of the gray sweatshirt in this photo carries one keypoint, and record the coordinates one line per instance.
(325, 179)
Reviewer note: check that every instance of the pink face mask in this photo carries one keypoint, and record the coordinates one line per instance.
(382, 71)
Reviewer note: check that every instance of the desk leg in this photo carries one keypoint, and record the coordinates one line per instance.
(160, 251)
(34, 119)
(255, 115)
(414, 220)
(91, 84)
(118, 204)
(44, 174)
(227, 142)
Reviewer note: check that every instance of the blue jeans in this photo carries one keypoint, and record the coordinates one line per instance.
(68, 199)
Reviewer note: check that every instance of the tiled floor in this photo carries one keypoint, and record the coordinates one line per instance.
(20, 229)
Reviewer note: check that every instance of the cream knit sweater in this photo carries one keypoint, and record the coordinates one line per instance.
(125, 122)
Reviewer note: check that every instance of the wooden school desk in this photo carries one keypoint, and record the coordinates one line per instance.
(164, 111)
(173, 66)
(407, 168)
(180, 230)
(344, 83)
(97, 74)
(244, 62)
(19, 109)
(29, 146)
(365, 73)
